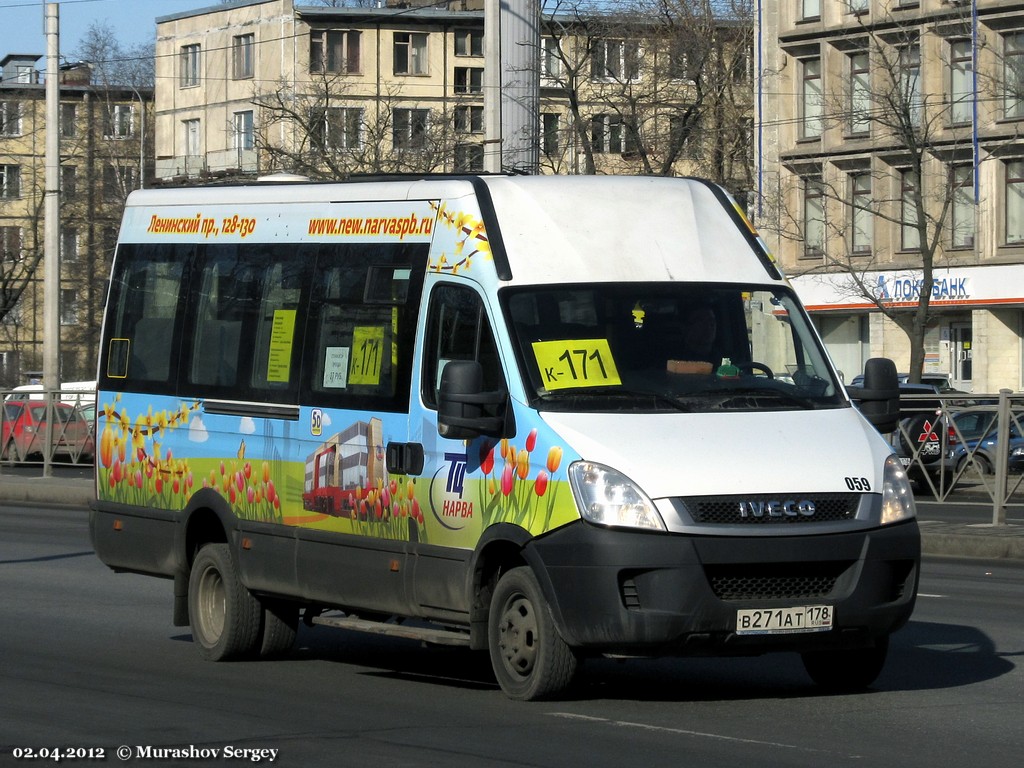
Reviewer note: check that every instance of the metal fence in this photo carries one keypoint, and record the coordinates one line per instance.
(964, 449)
(41, 427)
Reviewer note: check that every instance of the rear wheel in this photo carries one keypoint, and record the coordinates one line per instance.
(847, 670)
(973, 465)
(224, 615)
(530, 659)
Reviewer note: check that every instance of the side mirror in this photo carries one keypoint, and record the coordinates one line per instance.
(461, 413)
(879, 396)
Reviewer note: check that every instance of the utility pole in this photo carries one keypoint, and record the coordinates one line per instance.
(51, 223)
(512, 85)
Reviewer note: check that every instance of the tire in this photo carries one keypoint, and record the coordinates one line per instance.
(530, 659)
(964, 466)
(224, 616)
(280, 625)
(842, 671)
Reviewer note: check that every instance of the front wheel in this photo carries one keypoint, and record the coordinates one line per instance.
(847, 670)
(530, 659)
(224, 615)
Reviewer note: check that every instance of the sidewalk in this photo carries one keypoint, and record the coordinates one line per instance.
(937, 538)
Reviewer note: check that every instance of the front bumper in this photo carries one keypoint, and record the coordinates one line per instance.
(618, 591)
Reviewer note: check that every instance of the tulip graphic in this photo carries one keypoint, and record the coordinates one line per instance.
(531, 440)
(541, 484)
(554, 459)
(507, 480)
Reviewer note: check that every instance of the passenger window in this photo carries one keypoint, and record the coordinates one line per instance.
(144, 294)
(458, 329)
(362, 325)
(275, 357)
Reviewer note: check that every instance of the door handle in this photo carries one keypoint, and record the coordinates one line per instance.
(404, 459)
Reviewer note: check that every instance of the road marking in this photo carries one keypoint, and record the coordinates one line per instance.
(683, 732)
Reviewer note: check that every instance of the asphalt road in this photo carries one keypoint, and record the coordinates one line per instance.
(89, 659)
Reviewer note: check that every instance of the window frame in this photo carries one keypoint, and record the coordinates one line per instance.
(243, 56)
(961, 82)
(1013, 211)
(811, 98)
(910, 239)
(861, 214)
(335, 51)
(1013, 75)
(813, 246)
(411, 54)
(962, 213)
(860, 93)
(190, 65)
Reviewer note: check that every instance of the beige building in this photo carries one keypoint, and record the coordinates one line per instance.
(101, 150)
(888, 128)
(261, 86)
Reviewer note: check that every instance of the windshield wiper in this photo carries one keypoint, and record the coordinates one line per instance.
(612, 391)
(725, 395)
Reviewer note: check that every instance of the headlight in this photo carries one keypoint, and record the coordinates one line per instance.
(607, 497)
(897, 498)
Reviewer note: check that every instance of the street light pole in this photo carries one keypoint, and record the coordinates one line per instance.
(51, 226)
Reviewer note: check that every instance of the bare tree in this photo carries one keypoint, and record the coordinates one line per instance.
(915, 168)
(327, 132)
(665, 84)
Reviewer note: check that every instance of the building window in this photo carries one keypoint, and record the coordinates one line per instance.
(118, 181)
(469, 80)
(68, 120)
(860, 94)
(910, 82)
(862, 229)
(10, 243)
(68, 306)
(410, 53)
(469, 42)
(409, 128)
(549, 133)
(469, 119)
(1013, 75)
(68, 181)
(961, 217)
(469, 158)
(68, 244)
(857, 6)
(814, 217)
(243, 130)
(10, 118)
(615, 60)
(910, 237)
(810, 98)
(338, 127)
(609, 133)
(192, 144)
(1015, 202)
(961, 81)
(189, 62)
(550, 58)
(810, 9)
(10, 181)
(117, 121)
(243, 48)
(334, 51)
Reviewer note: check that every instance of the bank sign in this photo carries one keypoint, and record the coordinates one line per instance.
(1001, 284)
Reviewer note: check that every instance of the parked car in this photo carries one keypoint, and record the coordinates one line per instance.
(23, 435)
(972, 439)
(942, 382)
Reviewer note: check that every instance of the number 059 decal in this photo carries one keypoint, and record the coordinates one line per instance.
(858, 484)
(575, 363)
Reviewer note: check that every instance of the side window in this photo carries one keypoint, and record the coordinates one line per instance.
(247, 321)
(144, 301)
(361, 333)
(458, 329)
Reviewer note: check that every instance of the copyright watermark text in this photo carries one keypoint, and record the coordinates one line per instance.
(192, 752)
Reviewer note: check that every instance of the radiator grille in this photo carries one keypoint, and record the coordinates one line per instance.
(790, 581)
(754, 509)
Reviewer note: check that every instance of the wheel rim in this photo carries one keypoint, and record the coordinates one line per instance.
(518, 635)
(212, 605)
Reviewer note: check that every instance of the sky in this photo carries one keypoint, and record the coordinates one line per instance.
(133, 22)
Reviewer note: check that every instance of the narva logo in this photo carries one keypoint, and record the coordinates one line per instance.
(446, 502)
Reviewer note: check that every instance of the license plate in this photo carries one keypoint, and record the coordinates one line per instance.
(776, 621)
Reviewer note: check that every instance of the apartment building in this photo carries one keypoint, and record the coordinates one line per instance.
(888, 134)
(102, 147)
(261, 86)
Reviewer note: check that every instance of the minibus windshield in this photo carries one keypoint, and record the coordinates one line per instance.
(668, 347)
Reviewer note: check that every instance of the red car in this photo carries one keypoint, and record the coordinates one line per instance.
(23, 433)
